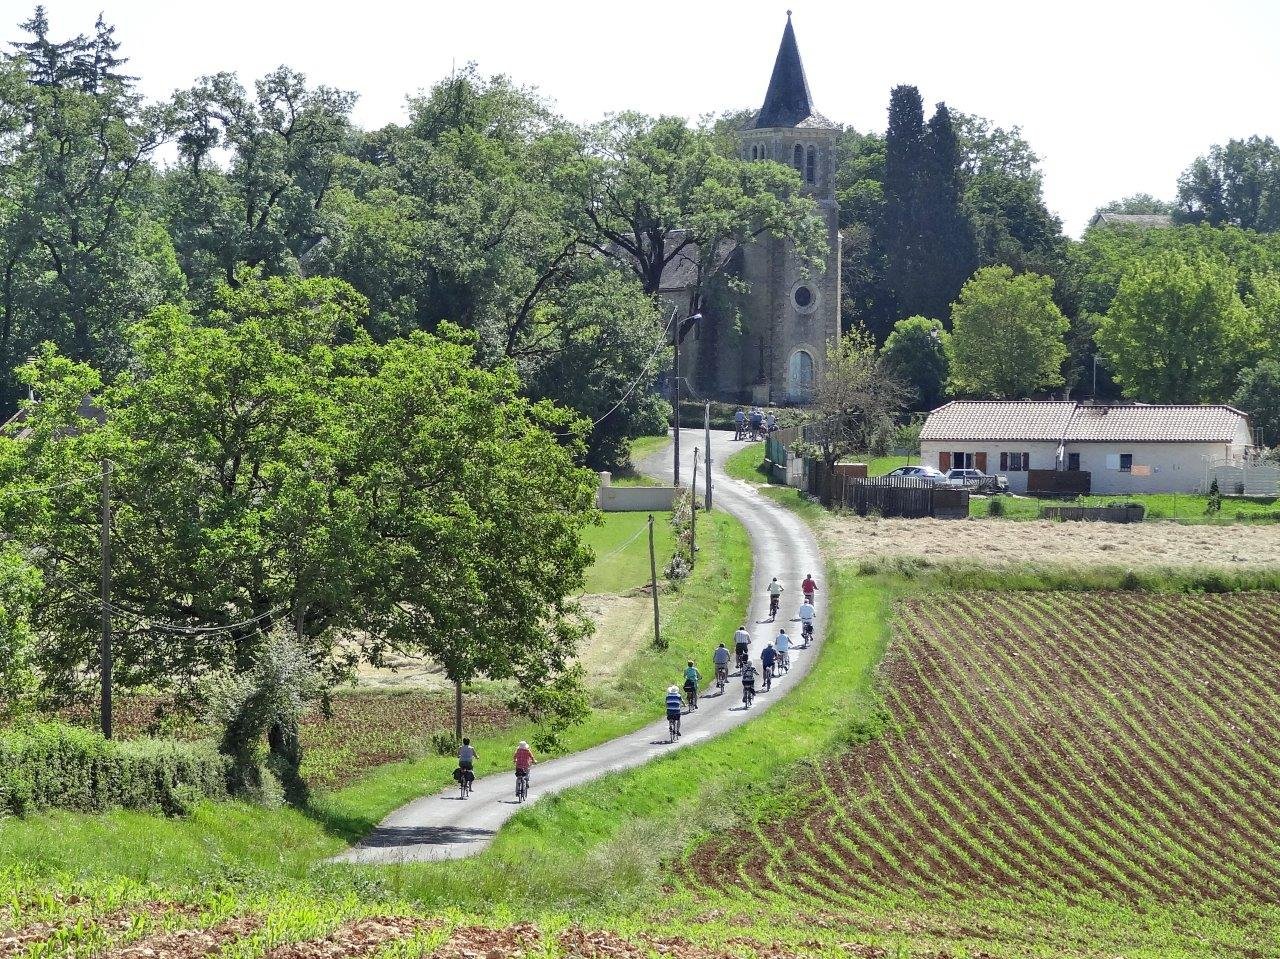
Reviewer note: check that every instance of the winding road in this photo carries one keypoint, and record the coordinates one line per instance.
(441, 826)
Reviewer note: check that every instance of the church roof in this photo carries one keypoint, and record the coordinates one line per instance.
(788, 102)
(1141, 221)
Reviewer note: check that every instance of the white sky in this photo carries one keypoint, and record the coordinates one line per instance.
(1117, 96)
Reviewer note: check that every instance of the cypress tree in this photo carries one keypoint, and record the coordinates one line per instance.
(900, 236)
(949, 250)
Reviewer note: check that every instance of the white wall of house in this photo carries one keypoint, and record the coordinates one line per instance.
(1040, 456)
(1162, 467)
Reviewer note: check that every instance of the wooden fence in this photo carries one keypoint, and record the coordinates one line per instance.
(1059, 482)
(1129, 513)
(906, 497)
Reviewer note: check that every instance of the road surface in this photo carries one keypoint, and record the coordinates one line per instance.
(442, 826)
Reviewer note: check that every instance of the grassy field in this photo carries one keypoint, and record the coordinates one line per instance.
(1183, 507)
(621, 547)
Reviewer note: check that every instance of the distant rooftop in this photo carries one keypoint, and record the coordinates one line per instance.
(1140, 221)
(1072, 422)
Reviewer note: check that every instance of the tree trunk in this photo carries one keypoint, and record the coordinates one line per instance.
(457, 709)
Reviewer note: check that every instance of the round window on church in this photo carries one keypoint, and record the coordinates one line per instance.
(804, 298)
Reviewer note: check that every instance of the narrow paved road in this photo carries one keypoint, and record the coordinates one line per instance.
(442, 826)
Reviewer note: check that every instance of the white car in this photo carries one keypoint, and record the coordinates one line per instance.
(976, 480)
(919, 472)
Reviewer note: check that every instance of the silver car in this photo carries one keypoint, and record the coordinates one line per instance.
(919, 472)
(976, 480)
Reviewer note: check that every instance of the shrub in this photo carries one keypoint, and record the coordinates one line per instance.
(1214, 505)
(995, 507)
(50, 765)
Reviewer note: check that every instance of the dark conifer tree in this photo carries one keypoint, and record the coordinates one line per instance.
(101, 65)
(949, 249)
(49, 64)
(900, 233)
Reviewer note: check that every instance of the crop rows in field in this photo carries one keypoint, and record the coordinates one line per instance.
(1046, 744)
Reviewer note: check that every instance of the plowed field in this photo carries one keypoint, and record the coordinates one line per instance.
(1045, 746)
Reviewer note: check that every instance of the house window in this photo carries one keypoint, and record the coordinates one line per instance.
(797, 159)
(1126, 462)
(1073, 462)
(961, 461)
(811, 165)
(1015, 462)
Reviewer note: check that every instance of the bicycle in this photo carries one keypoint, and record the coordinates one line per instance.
(742, 655)
(522, 785)
(774, 600)
(673, 727)
(722, 677)
(748, 694)
(783, 661)
(465, 779)
(806, 633)
(691, 695)
(768, 678)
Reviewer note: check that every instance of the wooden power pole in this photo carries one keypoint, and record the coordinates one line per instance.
(104, 598)
(653, 572)
(706, 426)
(693, 513)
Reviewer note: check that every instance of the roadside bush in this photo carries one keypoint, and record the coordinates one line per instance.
(995, 506)
(19, 582)
(50, 765)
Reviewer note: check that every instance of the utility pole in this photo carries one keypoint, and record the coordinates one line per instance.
(675, 405)
(457, 710)
(706, 426)
(653, 572)
(693, 512)
(104, 599)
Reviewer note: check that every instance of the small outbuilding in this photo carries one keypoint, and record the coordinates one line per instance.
(1126, 448)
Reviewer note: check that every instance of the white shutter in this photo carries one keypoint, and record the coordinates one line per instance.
(1113, 461)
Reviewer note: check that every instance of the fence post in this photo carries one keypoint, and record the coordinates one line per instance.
(693, 513)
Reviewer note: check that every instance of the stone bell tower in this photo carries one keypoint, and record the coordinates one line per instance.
(789, 319)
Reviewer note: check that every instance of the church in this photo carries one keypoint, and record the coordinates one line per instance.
(767, 345)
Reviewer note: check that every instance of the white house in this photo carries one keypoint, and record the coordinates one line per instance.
(1133, 448)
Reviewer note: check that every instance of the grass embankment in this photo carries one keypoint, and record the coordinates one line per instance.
(236, 840)
(747, 464)
(621, 546)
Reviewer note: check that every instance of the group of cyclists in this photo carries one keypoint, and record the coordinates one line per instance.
(775, 658)
(754, 425)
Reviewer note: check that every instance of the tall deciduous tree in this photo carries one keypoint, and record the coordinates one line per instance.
(1007, 335)
(1177, 330)
(1259, 395)
(1233, 185)
(854, 404)
(917, 352)
(272, 467)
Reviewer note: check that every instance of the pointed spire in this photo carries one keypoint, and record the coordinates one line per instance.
(788, 102)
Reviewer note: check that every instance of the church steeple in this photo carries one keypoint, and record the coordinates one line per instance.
(788, 102)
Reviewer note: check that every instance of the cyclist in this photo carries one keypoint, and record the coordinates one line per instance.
(748, 684)
(739, 424)
(691, 679)
(809, 587)
(757, 424)
(767, 657)
(775, 591)
(674, 705)
(467, 757)
(806, 614)
(783, 645)
(721, 660)
(523, 760)
(742, 644)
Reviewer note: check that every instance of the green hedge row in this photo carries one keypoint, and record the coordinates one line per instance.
(46, 765)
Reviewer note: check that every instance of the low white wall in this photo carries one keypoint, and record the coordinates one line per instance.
(634, 499)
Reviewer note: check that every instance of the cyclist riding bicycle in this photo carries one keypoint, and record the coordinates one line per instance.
(742, 645)
(808, 587)
(768, 655)
(523, 760)
(720, 658)
(806, 615)
(748, 684)
(674, 705)
(775, 591)
(691, 679)
(739, 424)
(783, 645)
(467, 757)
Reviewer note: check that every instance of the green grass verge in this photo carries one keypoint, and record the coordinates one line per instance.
(748, 464)
(1182, 507)
(621, 545)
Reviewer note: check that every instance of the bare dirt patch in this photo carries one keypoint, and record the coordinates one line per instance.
(1043, 543)
(361, 937)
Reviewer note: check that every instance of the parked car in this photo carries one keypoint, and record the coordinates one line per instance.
(976, 480)
(919, 472)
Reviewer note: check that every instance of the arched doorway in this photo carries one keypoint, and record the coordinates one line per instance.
(800, 377)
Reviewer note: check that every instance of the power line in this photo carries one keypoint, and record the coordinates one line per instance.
(138, 617)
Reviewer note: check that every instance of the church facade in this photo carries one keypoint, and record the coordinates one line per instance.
(768, 345)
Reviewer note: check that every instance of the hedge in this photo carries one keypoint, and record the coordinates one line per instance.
(45, 765)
